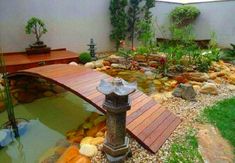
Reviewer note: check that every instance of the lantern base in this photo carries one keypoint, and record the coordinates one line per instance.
(94, 58)
(117, 154)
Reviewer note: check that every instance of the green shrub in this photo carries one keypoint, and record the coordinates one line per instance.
(85, 57)
(228, 54)
(184, 15)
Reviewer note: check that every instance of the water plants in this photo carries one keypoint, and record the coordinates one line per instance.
(12, 123)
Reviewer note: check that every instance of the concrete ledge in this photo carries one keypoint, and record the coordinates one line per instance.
(191, 1)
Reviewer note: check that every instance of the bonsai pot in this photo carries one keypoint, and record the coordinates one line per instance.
(38, 48)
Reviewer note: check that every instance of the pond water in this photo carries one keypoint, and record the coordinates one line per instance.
(145, 83)
(51, 118)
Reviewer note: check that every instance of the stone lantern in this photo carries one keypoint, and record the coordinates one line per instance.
(116, 104)
(92, 49)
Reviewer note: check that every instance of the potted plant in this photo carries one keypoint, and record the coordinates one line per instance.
(184, 15)
(37, 27)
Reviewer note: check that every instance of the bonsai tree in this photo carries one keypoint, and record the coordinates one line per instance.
(37, 27)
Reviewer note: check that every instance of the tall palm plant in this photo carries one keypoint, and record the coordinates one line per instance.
(7, 98)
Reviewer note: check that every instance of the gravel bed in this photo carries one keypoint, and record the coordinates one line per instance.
(188, 111)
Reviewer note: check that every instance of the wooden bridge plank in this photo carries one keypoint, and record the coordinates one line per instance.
(140, 111)
(159, 130)
(147, 121)
(154, 109)
(166, 133)
(137, 104)
(154, 125)
(142, 124)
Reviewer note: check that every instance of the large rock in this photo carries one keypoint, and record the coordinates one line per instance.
(118, 66)
(140, 58)
(48, 93)
(185, 91)
(209, 88)
(115, 59)
(71, 155)
(232, 79)
(197, 76)
(73, 63)
(106, 63)
(88, 150)
(153, 64)
(99, 64)
(149, 74)
(181, 79)
(92, 140)
(156, 57)
(90, 65)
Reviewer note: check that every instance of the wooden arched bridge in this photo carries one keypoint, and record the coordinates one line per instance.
(148, 122)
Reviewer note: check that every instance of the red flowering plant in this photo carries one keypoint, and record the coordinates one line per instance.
(163, 64)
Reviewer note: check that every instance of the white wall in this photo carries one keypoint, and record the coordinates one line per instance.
(70, 23)
(215, 17)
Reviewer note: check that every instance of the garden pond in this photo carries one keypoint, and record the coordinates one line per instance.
(147, 83)
(50, 119)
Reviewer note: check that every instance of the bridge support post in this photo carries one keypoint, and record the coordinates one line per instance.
(117, 103)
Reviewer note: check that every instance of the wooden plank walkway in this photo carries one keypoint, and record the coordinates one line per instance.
(148, 122)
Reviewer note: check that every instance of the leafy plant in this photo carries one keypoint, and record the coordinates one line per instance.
(213, 47)
(126, 53)
(118, 21)
(184, 15)
(228, 54)
(146, 33)
(84, 57)
(203, 65)
(143, 50)
(231, 52)
(37, 27)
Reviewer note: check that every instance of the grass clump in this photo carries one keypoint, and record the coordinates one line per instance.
(222, 115)
(185, 150)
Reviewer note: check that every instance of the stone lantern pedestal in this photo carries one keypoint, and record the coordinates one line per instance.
(116, 145)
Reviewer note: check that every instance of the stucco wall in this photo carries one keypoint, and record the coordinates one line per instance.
(217, 16)
(71, 23)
